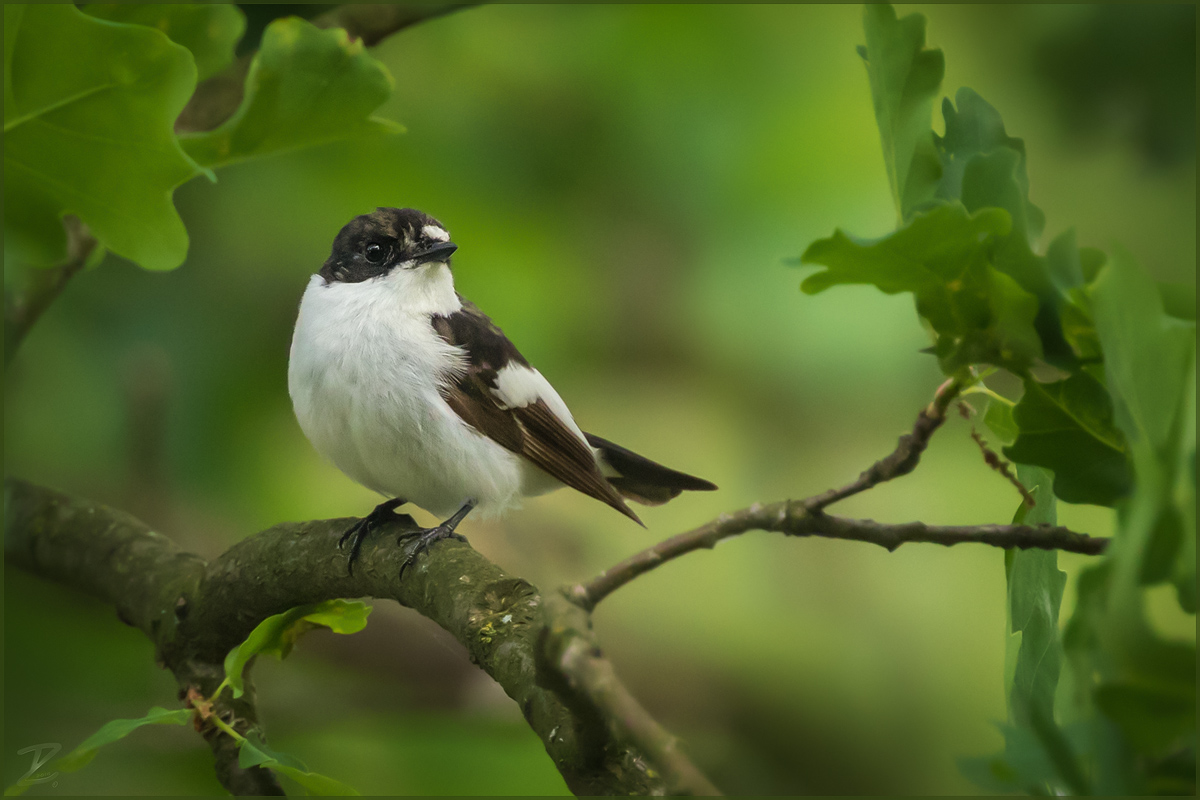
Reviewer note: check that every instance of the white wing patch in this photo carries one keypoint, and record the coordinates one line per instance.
(518, 385)
(435, 233)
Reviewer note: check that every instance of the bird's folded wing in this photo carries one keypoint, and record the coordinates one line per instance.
(507, 400)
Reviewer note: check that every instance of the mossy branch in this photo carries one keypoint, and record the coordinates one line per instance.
(540, 649)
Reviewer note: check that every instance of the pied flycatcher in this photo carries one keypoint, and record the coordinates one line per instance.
(411, 391)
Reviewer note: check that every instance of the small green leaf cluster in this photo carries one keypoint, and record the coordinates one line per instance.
(1114, 427)
(276, 635)
(91, 98)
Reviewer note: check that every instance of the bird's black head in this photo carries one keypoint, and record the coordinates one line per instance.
(374, 244)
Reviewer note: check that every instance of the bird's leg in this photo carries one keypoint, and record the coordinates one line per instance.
(360, 530)
(428, 536)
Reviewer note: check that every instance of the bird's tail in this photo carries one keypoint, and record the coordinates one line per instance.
(639, 479)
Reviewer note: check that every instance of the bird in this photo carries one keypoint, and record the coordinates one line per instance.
(413, 392)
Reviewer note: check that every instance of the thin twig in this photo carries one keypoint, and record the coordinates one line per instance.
(23, 307)
(807, 517)
(905, 457)
(794, 519)
(993, 460)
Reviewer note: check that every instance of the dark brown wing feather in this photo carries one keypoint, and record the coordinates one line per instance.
(554, 447)
(533, 431)
(643, 480)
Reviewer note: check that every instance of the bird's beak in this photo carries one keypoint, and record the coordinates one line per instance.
(439, 252)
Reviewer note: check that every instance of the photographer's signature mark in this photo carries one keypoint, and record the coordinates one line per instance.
(41, 754)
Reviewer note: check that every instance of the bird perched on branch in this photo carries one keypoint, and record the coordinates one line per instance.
(411, 391)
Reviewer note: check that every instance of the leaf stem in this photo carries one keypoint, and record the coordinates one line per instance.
(220, 723)
(984, 390)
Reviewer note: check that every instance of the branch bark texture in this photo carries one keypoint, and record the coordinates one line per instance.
(540, 649)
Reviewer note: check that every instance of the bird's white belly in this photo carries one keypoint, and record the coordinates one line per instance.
(364, 380)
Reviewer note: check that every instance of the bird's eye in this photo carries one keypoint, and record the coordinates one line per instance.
(375, 252)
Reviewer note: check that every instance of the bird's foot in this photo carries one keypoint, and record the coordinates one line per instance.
(381, 515)
(427, 536)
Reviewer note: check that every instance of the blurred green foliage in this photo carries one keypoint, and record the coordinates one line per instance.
(624, 183)
(1128, 72)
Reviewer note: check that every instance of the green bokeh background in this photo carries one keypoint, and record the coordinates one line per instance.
(625, 184)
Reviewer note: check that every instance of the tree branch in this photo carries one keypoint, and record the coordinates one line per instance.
(539, 649)
(998, 464)
(905, 457)
(807, 518)
(217, 98)
(794, 519)
(590, 679)
(24, 306)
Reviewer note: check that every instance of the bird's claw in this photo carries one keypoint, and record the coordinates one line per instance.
(357, 527)
(425, 538)
(380, 515)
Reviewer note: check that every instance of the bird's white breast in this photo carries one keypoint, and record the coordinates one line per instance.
(364, 376)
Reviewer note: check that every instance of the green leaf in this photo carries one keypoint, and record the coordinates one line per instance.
(1035, 587)
(1147, 353)
(1068, 427)
(1143, 683)
(1008, 339)
(905, 77)
(984, 167)
(306, 86)
(277, 634)
(1035, 590)
(992, 773)
(1090, 262)
(89, 108)
(115, 730)
(1038, 758)
(1179, 300)
(931, 251)
(1064, 262)
(1150, 365)
(254, 753)
(1079, 329)
(1070, 269)
(209, 31)
(999, 419)
(988, 164)
(1183, 496)
(1154, 717)
(941, 256)
(995, 180)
